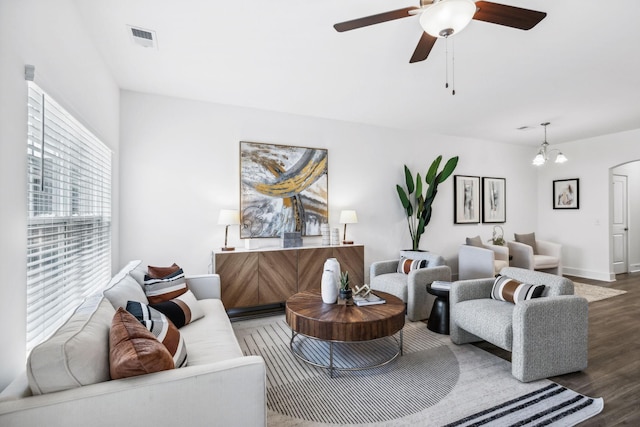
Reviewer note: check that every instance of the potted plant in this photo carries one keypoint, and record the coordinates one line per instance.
(417, 206)
(345, 291)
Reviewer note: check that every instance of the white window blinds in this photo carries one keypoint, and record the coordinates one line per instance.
(69, 224)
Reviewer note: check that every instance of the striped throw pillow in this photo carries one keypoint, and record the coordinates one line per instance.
(407, 265)
(165, 288)
(181, 310)
(511, 290)
(163, 329)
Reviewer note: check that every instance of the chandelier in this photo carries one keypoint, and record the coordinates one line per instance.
(543, 154)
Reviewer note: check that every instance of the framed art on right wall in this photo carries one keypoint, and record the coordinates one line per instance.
(566, 194)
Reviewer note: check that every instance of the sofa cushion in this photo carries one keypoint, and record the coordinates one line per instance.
(487, 318)
(392, 283)
(77, 353)
(133, 350)
(163, 329)
(527, 239)
(545, 261)
(165, 288)
(407, 265)
(511, 290)
(181, 310)
(123, 287)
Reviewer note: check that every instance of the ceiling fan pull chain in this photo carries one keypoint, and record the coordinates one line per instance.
(446, 62)
(453, 67)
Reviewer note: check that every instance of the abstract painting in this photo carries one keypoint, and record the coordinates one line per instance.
(565, 194)
(282, 189)
(466, 199)
(494, 200)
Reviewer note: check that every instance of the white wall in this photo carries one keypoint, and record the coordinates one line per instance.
(49, 35)
(180, 166)
(584, 233)
(632, 171)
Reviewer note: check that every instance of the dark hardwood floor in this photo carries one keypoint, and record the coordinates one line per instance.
(614, 355)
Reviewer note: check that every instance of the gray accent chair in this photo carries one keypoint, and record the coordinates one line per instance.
(546, 336)
(410, 288)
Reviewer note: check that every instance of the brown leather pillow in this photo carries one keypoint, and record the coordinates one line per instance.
(133, 350)
(161, 272)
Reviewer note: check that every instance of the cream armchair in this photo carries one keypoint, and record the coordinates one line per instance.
(476, 262)
(547, 257)
(410, 288)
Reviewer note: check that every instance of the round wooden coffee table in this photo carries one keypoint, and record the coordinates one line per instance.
(309, 317)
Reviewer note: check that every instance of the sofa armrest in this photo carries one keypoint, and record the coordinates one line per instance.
(475, 262)
(538, 353)
(204, 286)
(229, 393)
(424, 276)
(522, 255)
(463, 290)
(383, 267)
(501, 253)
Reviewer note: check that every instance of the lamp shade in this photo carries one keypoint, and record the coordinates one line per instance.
(561, 158)
(447, 17)
(348, 217)
(228, 217)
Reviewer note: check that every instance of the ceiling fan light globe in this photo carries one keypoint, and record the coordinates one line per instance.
(447, 17)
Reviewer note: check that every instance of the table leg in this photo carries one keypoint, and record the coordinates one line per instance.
(331, 359)
(401, 342)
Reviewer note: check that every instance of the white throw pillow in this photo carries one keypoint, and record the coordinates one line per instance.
(77, 353)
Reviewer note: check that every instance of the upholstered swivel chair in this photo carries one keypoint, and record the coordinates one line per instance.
(477, 262)
(412, 287)
(546, 336)
(534, 254)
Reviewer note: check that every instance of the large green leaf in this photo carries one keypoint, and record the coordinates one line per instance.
(406, 204)
(418, 186)
(433, 170)
(448, 169)
(408, 179)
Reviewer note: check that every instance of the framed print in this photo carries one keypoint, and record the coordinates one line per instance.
(494, 203)
(466, 199)
(566, 194)
(282, 189)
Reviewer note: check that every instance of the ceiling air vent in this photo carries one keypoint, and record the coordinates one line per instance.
(142, 37)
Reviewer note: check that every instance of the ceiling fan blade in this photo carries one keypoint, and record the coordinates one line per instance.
(373, 19)
(423, 48)
(509, 16)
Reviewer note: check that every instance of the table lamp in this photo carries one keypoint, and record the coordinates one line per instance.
(228, 217)
(347, 217)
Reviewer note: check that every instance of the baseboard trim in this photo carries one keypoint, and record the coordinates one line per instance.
(589, 274)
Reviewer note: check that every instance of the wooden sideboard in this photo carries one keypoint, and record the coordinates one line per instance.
(251, 278)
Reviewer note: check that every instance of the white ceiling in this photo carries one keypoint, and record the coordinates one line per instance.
(578, 69)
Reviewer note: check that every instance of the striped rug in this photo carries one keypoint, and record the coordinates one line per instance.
(435, 383)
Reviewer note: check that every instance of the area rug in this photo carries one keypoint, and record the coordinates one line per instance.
(434, 383)
(595, 293)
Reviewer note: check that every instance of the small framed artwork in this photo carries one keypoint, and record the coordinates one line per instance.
(494, 206)
(566, 194)
(466, 199)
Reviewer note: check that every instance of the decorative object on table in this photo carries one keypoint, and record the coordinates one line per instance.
(291, 239)
(370, 299)
(346, 293)
(497, 237)
(362, 291)
(228, 217)
(466, 199)
(347, 217)
(494, 202)
(282, 189)
(543, 154)
(417, 206)
(325, 232)
(330, 281)
(565, 194)
(335, 236)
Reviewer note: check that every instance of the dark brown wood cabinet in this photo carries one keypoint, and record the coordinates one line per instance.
(250, 278)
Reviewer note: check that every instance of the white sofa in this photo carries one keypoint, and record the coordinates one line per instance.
(218, 387)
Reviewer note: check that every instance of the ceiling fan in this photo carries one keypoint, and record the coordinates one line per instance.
(443, 18)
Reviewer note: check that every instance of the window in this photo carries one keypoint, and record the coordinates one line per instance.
(69, 224)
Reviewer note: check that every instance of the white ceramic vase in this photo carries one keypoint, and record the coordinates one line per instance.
(330, 281)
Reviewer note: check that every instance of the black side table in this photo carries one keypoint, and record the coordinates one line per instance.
(439, 318)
